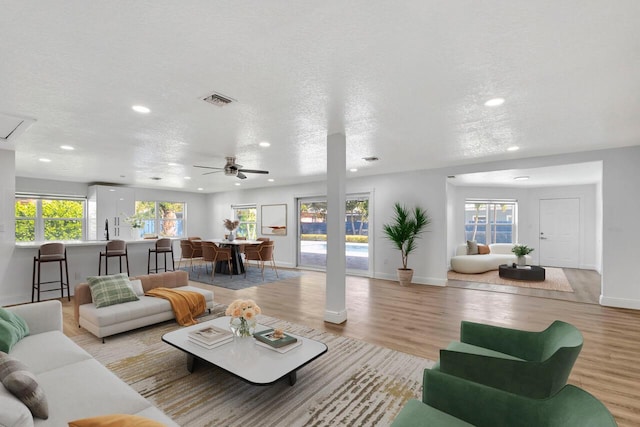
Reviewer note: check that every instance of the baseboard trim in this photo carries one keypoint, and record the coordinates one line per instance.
(620, 302)
(336, 317)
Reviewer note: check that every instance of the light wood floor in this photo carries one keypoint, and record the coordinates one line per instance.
(420, 320)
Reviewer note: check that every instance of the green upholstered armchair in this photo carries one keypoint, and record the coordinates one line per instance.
(453, 401)
(533, 364)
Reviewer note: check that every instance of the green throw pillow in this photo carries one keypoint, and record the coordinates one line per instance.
(110, 290)
(12, 329)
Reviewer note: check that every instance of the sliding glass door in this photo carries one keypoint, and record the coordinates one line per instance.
(312, 233)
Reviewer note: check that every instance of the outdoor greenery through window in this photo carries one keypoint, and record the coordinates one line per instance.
(247, 215)
(490, 221)
(45, 219)
(165, 219)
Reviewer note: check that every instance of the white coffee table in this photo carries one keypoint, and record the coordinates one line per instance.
(244, 358)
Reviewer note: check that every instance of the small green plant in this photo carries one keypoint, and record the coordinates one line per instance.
(521, 250)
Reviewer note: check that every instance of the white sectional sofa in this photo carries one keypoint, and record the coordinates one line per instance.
(500, 253)
(75, 384)
(114, 319)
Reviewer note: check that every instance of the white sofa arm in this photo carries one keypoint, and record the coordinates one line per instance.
(40, 316)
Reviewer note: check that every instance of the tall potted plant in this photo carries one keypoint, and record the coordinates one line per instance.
(405, 227)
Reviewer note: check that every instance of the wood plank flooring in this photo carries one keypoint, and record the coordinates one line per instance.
(421, 320)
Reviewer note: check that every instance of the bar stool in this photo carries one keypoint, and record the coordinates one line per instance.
(164, 247)
(50, 252)
(114, 248)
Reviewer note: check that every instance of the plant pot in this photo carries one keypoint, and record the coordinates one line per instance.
(404, 276)
(522, 260)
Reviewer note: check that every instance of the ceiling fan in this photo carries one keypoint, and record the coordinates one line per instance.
(232, 169)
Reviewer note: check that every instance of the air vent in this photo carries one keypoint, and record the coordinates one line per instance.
(218, 100)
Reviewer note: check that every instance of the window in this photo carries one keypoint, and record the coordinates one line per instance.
(490, 221)
(247, 215)
(166, 219)
(47, 218)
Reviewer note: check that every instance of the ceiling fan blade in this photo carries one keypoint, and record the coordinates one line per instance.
(206, 167)
(253, 171)
(209, 173)
(241, 175)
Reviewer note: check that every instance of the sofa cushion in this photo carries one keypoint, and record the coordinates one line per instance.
(472, 247)
(418, 414)
(69, 387)
(483, 250)
(110, 290)
(12, 329)
(60, 351)
(116, 420)
(13, 413)
(136, 287)
(16, 378)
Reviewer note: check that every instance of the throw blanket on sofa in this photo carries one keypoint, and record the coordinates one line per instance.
(186, 305)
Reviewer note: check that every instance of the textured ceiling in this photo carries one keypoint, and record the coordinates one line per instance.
(404, 81)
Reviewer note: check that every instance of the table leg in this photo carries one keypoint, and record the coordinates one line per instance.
(293, 377)
(191, 363)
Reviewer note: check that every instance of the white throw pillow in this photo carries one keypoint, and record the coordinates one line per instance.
(136, 287)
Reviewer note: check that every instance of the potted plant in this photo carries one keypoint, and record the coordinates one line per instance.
(406, 226)
(520, 251)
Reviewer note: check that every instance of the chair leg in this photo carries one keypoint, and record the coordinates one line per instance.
(33, 279)
(273, 263)
(120, 263)
(100, 264)
(39, 264)
(126, 257)
(66, 270)
(173, 263)
(230, 270)
(61, 282)
(149, 263)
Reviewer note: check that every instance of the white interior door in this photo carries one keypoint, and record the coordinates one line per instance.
(559, 233)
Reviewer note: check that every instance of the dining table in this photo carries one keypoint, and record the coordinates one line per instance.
(236, 258)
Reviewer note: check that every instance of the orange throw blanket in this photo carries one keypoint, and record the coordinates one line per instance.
(186, 304)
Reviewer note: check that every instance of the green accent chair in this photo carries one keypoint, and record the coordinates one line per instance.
(532, 364)
(456, 402)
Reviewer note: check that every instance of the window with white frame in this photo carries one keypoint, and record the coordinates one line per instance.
(46, 218)
(246, 215)
(165, 219)
(490, 221)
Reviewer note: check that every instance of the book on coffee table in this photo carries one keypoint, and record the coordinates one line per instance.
(267, 338)
(284, 349)
(210, 335)
(210, 346)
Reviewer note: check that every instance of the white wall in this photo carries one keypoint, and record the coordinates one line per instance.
(7, 221)
(528, 221)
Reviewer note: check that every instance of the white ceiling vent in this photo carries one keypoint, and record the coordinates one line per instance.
(218, 99)
(12, 126)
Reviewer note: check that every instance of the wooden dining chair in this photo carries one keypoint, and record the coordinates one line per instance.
(189, 251)
(213, 254)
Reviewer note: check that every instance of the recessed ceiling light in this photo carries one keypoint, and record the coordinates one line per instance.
(67, 147)
(156, 178)
(271, 180)
(514, 148)
(172, 164)
(44, 160)
(264, 144)
(187, 177)
(141, 109)
(521, 178)
(353, 170)
(200, 188)
(494, 102)
(370, 159)
(237, 183)
(111, 189)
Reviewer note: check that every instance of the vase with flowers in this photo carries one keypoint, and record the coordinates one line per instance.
(231, 227)
(243, 317)
(137, 223)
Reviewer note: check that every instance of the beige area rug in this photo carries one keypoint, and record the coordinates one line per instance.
(355, 383)
(555, 280)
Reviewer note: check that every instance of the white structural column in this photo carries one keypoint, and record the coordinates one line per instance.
(336, 308)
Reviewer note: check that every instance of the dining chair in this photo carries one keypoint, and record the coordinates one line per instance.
(189, 251)
(264, 253)
(214, 254)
